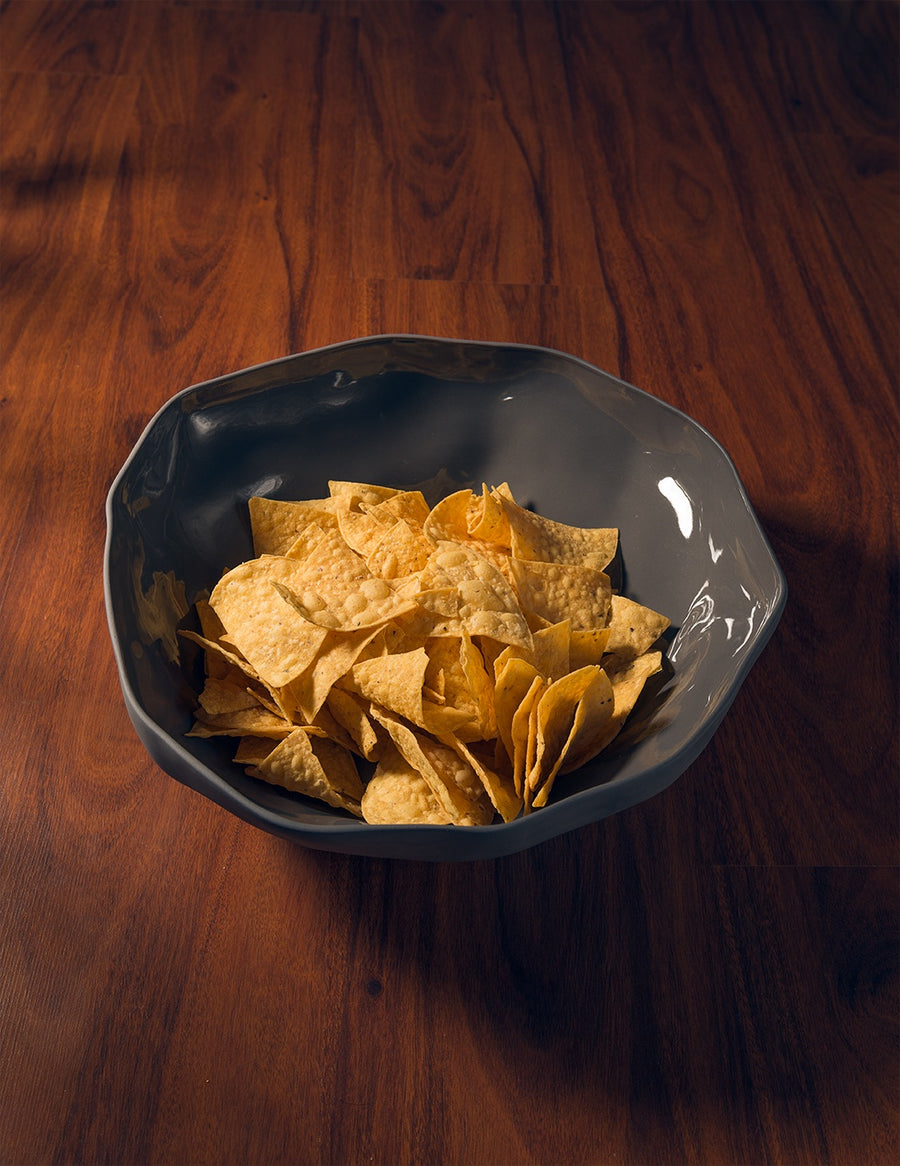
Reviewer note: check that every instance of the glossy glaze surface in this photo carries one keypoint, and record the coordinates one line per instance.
(575, 443)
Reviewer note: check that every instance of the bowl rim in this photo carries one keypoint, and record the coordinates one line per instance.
(494, 839)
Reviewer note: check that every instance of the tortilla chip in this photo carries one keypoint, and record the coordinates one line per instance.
(587, 646)
(394, 682)
(633, 628)
(514, 677)
(500, 788)
(253, 750)
(332, 586)
(407, 506)
(523, 731)
(488, 521)
(560, 591)
(474, 593)
(627, 684)
(334, 659)
(255, 722)
(448, 520)
(397, 794)
(317, 768)
(276, 640)
(275, 525)
(463, 800)
(401, 550)
(572, 711)
(352, 715)
(532, 536)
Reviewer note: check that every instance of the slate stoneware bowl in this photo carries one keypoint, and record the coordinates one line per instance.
(575, 443)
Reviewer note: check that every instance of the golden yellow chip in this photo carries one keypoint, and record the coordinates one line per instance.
(394, 682)
(256, 722)
(401, 550)
(459, 776)
(633, 629)
(534, 537)
(587, 646)
(327, 725)
(488, 522)
(365, 493)
(352, 716)
(524, 734)
(276, 525)
(445, 676)
(448, 520)
(555, 719)
(253, 751)
(465, 588)
(227, 694)
(397, 794)
(277, 641)
(463, 800)
(408, 506)
(627, 684)
(499, 787)
(551, 650)
(571, 712)
(316, 767)
(441, 720)
(359, 529)
(333, 587)
(480, 687)
(560, 591)
(334, 659)
(514, 677)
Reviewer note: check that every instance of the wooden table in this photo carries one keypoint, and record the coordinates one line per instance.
(700, 198)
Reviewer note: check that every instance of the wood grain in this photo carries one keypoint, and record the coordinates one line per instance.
(699, 197)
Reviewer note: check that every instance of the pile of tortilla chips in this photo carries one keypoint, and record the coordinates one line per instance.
(416, 664)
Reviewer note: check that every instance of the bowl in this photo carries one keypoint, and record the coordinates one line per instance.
(575, 443)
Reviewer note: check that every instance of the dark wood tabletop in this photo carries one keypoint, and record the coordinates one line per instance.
(700, 198)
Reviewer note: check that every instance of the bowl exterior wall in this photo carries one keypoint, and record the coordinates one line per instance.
(577, 444)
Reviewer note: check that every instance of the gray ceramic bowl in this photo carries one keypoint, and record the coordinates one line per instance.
(577, 444)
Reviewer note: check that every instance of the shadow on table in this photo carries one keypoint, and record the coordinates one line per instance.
(582, 973)
(628, 971)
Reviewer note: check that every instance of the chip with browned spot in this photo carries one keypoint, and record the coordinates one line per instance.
(276, 525)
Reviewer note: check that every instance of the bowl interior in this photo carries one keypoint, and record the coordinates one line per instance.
(574, 443)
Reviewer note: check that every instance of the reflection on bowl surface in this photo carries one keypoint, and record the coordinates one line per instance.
(573, 442)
